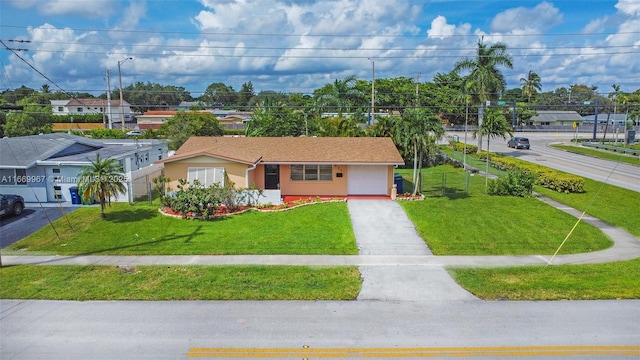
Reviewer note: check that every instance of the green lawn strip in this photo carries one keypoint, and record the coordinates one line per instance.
(179, 283)
(140, 230)
(494, 225)
(602, 154)
(614, 205)
(618, 280)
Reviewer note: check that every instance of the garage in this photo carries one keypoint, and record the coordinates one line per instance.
(367, 180)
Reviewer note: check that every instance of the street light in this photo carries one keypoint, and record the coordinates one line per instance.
(373, 93)
(120, 82)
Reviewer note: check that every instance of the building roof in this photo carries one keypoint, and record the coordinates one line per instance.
(553, 116)
(95, 102)
(252, 150)
(24, 152)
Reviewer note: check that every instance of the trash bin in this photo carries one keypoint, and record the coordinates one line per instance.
(75, 197)
(397, 179)
(456, 138)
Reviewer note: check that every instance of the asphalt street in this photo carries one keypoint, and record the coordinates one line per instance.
(34, 217)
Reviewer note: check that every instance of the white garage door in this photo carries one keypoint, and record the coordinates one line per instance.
(367, 180)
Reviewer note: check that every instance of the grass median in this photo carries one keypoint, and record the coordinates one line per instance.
(83, 283)
(602, 154)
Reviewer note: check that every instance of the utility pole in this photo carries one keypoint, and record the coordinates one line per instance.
(373, 91)
(595, 122)
(109, 100)
(120, 81)
(514, 120)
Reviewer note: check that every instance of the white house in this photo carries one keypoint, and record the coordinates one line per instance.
(43, 168)
(111, 110)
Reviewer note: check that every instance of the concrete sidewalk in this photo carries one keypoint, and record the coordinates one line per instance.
(395, 262)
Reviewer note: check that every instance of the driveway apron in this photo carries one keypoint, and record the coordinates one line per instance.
(381, 227)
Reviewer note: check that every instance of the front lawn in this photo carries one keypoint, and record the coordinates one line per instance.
(480, 224)
(618, 280)
(179, 283)
(140, 229)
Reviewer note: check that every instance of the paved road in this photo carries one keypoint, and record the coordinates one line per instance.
(14, 228)
(619, 174)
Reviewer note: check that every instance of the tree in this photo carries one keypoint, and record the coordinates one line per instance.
(485, 81)
(102, 180)
(33, 120)
(143, 97)
(275, 119)
(530, 85)
(185, 124)
(495, 124)
(219, 94)
(245, 94)
(416, 135)
(341, 96)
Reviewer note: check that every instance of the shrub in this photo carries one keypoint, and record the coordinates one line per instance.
(459, 147)
(515, 183)
(195, 200)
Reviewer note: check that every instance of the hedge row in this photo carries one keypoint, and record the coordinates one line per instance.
(88, 118)
(549, 178)
(459, 147)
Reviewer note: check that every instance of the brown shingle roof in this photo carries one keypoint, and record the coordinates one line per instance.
(251, 150)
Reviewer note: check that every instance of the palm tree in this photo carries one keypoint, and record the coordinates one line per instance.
(102, 180)
(495, 124)
(339, 95)
(530, 85)
(485, 82)
(416, 134)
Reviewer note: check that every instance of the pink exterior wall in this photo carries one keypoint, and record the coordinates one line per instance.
(337, 186)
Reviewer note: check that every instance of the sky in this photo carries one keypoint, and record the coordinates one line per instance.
(299, 46)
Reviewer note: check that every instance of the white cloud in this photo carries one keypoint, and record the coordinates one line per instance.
(440, 29)
(540, 18)
(629, 7)
(89, 9)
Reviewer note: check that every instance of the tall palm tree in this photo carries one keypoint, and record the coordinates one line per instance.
(416, 134)
(530, 85)
(485, 82)
(102, 180)
(495, 124)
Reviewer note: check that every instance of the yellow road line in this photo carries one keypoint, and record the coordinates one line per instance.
(414, 352)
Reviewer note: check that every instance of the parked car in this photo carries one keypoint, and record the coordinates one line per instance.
(11, 204)
(135, 133)
(518, 143)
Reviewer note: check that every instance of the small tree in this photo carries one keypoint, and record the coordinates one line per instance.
(495, 124)
(102, 180)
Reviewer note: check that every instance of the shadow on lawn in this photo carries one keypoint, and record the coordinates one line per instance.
(130, 215)
(169, 237)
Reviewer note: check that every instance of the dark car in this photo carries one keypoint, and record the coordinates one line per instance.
(518, 143)
(11, 204)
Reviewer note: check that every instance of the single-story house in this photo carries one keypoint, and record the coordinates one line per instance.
(559, 118)
(229, 119)
(43, 168)
(614, 119)
(289, 166)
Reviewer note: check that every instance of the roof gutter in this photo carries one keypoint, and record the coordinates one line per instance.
(246, 173)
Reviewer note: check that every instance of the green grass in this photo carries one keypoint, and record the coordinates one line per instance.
(180, 283)
(479, 224)
(614, 205)
(602, 154)
(618, 280)
(140, 230)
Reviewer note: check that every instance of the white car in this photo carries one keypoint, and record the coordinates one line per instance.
(135, 133)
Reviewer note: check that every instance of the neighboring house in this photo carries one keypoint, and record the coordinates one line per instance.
(111, 110)
(556, 118)
(229, 119)
(614, 119)
(289, 166)
(42, 168)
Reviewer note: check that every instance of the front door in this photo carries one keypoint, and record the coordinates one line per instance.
(271, 177)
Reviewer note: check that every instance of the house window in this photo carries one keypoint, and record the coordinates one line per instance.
(60, 108)
(206, 176)
(311, 172)
(79, 109)
(56, 171)
(21, 177)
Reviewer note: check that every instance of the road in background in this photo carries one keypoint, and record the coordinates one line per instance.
(614, 173)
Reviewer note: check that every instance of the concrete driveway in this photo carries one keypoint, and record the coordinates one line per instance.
(381, 227)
